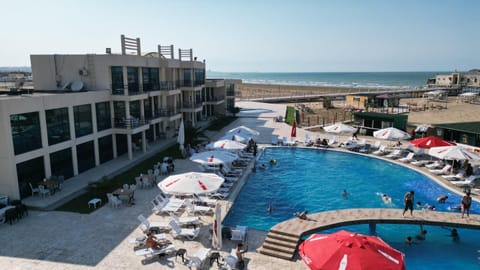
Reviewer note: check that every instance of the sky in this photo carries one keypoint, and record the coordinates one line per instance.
(255, 36)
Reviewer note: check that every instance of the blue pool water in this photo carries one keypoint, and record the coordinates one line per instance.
(312, 179)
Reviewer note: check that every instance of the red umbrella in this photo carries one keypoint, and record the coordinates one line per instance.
(349, 251)
(429, 142)
(294, 130)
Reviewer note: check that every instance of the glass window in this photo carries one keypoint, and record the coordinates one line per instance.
(61, 163)
(85, 156)
(150, 79)
(83, 120)
(199, 76)
(105, 148)
(120, 113)
(58, 126)
(187, 77)
(135, 109)
(121, 140)
(103, 116)
(117, 79)
(147, 107)
(26, 133)
(30, 171)
(132, 76)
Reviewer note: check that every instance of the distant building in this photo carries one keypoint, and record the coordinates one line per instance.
(470, 79)
(88, 109)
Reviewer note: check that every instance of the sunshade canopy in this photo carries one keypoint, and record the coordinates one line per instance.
(228, 145)
(453, 153)
(429, 142)
(213, 157)
(340, 128)
(391, 133)
(349, 251)
(190, 183)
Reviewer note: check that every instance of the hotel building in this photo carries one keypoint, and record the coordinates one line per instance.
(86, 110)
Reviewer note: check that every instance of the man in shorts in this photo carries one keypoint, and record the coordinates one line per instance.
(408, 203)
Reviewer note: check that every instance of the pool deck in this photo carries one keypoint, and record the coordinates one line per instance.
(100, 240)
(283, 238)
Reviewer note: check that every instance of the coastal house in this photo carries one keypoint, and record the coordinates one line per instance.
(463, 81)
(86, 110)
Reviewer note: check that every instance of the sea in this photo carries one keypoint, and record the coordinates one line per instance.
(379, 80)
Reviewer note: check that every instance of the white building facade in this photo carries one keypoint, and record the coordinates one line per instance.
(88, 109)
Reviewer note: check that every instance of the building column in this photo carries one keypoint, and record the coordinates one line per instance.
(95, 131)
(129, 146)
(125, 81)
(144, 141)
(44, 134)
(71, 120)
(114, 144)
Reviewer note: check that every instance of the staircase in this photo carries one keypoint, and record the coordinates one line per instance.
(280, 245)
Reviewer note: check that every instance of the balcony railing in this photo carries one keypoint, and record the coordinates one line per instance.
(191, 105)
(132, 89)
(217, 98)
(129, 123)
(168, 85)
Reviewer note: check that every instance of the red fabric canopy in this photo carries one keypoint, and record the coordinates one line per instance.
(294, 130)
(349, 251)
(429, 142)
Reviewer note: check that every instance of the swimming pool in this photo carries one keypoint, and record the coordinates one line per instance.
(313, 180)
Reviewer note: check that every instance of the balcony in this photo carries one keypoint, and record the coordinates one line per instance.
(133, 89)
(191, 105)
(129, 123)
(168, 85)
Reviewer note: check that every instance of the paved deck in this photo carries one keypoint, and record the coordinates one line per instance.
(283, 238)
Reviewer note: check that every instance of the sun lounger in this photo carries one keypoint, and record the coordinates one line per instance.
(467, 182)
(381, 151)
(149, 252)
(185, 221)
(453, 177)
(203, 210)
(189, 234)
(435, 165)
(395, 154)
(419, 163)
(151, 224)
(207, 201)
(274, 140)
(444, 170)
(408, 158)
(239, 233)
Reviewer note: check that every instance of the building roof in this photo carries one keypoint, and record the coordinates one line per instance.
(472, 127)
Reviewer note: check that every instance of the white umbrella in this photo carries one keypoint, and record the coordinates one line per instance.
(190, 183)
(340, 128)
(391, 133)
(217, 228)
(235, 137)
(181, 135)
(227, 145)
(243, 131)
(453, 152)
(213, 157)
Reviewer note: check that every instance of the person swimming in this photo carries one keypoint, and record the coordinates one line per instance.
(386, 198)
(262, 167)
(344, 193)
(273, 161)
(270, 208)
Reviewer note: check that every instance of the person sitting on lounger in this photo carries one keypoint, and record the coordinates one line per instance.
(154, 243)
(302, 215)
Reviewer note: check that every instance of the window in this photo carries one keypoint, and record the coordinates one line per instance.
(132, 76)
(83, 120)
(103, 116)
(85, 156)
(121, 140)
(135, 109)
(58, 125)
(30, 171)
(61, 163)
(117, 80)
(105, 148)
(187, 77)
(150, 79)
(26, 133)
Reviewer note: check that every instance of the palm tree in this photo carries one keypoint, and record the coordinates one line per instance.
(193, 135)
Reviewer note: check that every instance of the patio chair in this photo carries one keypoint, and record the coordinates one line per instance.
(203, 210)
(34, 190)
(308, 140)
(365, 149)
(221, 195)
(113, 200)
(274, 140)
(177, 231)
(408, 158)
(138, 182)
(185, 221)
(43, 191)
(239, 233)
(199, 258)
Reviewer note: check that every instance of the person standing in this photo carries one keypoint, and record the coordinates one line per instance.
(408, 202)
(466, 203)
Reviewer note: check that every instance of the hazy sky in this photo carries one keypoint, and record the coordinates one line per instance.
(268, 35)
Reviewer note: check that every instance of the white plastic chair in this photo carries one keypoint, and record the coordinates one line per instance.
(34, 190)
(113, 201)
(189, 234)
(43, 191)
